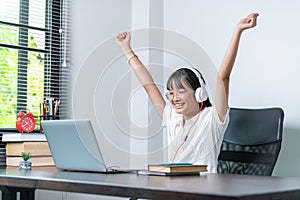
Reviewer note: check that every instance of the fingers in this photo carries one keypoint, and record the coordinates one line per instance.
(122, 36)
(123, 41)
(254, 15)
(248, 22)
(252, 18)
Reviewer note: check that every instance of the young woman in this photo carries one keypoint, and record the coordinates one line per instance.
(194, 126)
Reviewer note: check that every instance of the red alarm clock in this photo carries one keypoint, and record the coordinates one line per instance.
(25, 122)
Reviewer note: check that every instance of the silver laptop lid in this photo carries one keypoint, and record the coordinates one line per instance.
(73, 145)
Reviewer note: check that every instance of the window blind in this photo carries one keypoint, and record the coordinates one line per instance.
(34, 62)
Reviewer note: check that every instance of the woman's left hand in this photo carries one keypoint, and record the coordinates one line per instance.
(248, 22)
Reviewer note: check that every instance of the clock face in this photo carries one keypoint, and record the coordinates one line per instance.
(25, 122)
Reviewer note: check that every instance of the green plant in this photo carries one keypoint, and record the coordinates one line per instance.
(25, 156)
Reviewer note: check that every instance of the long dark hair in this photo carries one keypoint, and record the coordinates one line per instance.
(190, 78)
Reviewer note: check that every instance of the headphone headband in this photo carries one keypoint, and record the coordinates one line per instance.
(200, 94)
(198, 75)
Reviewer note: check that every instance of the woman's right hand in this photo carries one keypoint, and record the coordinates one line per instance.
(144, 76)
(123, 41)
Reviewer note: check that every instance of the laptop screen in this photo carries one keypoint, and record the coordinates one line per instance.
(73, 145)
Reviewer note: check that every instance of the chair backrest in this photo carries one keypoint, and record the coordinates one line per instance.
(252, 141)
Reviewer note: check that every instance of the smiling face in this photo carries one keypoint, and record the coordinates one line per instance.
(182, 98)
(182, 85)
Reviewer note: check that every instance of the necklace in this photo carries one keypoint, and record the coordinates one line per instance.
(187, 134)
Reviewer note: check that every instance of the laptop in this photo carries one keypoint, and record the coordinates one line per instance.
(74, 146)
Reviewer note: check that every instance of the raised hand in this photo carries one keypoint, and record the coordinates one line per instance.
(142, 73)
(248, 22)
(123, 40)
(222, 92)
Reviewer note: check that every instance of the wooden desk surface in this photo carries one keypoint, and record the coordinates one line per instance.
(209, 186)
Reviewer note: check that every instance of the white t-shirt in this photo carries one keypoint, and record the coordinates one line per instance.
(204, 140)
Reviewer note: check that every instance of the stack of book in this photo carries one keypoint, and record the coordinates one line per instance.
(171, 169)
(34, 143)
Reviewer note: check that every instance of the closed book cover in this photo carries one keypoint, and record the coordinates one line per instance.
(37, 161)
(34, 148)
(22, 137)
(152, 173)
(174, 167)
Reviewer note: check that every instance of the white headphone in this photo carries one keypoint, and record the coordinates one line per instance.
(201, 93)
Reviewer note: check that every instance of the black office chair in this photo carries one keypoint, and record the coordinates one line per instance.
(252, 141)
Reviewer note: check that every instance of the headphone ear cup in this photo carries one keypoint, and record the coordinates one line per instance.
(201, 95)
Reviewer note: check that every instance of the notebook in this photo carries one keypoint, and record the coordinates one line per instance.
(74, 146)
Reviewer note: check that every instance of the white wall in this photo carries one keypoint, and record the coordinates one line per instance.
(97, 67)
(105, 90)
(265, 72)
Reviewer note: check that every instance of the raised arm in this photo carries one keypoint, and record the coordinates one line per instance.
(222, 91)
(145, 78)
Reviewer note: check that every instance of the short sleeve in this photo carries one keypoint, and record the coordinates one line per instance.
(220, 125)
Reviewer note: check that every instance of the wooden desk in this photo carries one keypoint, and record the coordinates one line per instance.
(210, 186)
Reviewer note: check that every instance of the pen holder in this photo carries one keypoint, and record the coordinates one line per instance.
(48, 110)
